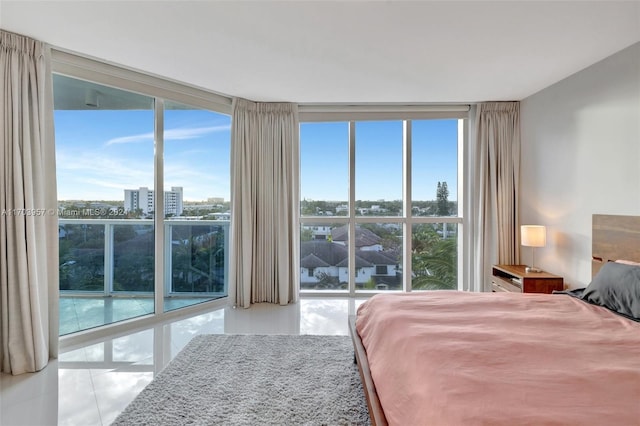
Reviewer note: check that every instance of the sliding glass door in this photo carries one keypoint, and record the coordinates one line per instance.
(196, 199)
(143, 196)
(104, 146)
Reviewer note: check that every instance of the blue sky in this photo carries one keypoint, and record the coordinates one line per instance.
(324, 159)
(100, 153)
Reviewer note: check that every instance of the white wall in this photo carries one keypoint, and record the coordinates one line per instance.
(580, 156)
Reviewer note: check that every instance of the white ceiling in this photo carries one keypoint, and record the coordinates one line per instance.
(340, 51)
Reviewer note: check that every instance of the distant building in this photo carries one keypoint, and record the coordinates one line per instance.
(319, 232)
(324, 260)
(366, 240)
(143, 198)
(220, 216)
(342, 208)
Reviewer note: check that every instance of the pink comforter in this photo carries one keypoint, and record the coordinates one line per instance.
(456, 358)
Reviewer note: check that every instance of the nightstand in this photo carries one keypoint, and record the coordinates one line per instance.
(514, 278)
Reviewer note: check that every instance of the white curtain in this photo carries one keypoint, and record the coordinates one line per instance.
(265, 202)
(497, 179)
(28, 220)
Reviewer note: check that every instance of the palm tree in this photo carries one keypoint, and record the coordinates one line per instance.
(434, 260)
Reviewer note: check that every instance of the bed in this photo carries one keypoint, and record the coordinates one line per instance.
(449, 358)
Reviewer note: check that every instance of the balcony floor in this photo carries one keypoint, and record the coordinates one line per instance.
(82, 313)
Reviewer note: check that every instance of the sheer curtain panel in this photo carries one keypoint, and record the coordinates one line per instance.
(497, 177)
(28, 220)
(265, 202)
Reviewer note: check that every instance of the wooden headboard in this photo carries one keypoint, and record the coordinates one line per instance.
(613, 238)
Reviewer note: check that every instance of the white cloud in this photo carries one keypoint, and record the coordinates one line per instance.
(96, 176)
(181, 134)
(145, 137)
(99, 177)
(170, 135)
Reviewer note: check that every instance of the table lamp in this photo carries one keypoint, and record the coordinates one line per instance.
(533, 236)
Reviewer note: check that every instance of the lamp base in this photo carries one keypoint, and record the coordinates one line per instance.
(532, 269)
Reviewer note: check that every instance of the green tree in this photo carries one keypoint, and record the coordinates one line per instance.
(391, 238)
(326, 281)
(442, 196)
(434, 260)
(306, 234)
(133, 259)
(370, 284)
(198, 259)
(81, 257)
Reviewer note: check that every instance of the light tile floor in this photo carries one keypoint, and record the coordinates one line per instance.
(92, 384)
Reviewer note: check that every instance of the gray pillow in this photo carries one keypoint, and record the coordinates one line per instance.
(617, 287)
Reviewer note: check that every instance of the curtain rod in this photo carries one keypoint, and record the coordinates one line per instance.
(375, 108)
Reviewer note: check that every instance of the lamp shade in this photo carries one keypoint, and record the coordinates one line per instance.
(533, 235)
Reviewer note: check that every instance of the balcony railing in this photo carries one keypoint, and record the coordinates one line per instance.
(116, 257)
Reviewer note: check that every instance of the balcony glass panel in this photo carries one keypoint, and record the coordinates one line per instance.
(199, 253)
(133, 259)
(107, 268)
(81, 255)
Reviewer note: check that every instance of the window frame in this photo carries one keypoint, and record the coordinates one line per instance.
(83, 68)
(408, 114)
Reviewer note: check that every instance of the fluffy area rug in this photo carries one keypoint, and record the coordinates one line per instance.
(254, 380)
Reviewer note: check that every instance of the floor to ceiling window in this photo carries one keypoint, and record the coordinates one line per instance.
(143, 195)
(197, 210)
(435, 171)
(104, 145)
(379, 205)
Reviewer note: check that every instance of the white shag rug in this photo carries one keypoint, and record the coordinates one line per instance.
(220, 379)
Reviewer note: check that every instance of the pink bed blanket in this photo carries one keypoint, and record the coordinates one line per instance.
(458, 358)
